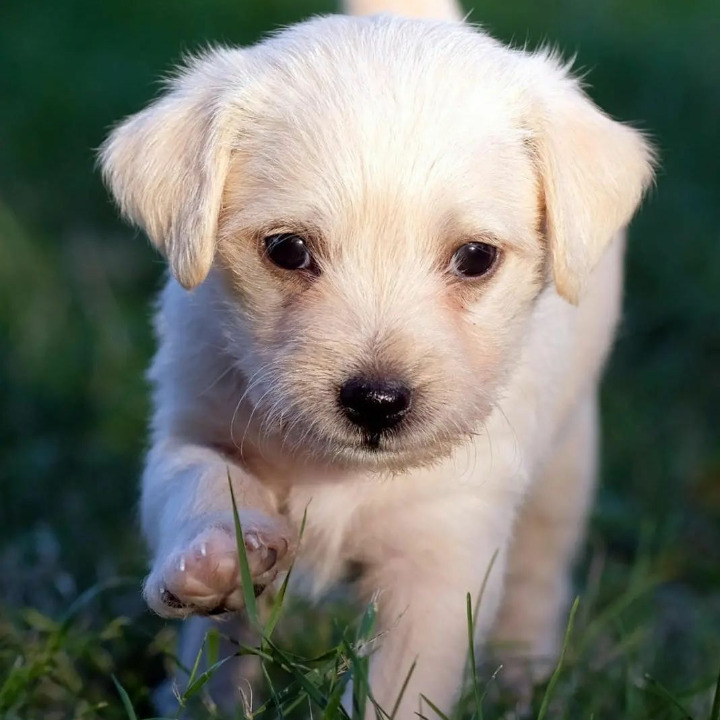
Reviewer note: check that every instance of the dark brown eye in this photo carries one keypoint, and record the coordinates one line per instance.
(288, 251)
(474, 259)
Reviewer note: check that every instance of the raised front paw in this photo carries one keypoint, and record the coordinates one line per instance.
(203, 577)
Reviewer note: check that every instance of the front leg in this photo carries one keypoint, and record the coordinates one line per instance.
(549, 528)
(187, 516)
(426, 570)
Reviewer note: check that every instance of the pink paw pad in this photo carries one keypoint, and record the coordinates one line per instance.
(205, 577)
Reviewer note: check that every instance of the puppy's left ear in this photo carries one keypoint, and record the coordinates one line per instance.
(594, 172)
(166, 166)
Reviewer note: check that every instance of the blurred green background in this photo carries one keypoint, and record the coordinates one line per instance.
(76, 287)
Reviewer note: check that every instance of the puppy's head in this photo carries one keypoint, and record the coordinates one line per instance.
(382, 201)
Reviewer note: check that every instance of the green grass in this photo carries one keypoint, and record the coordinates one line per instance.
(75, 292)
(610, 664)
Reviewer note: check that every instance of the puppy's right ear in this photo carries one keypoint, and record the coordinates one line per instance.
(166, 166)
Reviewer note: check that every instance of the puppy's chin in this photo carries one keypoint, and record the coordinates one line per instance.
(390, 459)
(394, 452)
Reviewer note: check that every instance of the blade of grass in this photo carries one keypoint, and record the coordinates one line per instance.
(558, 668)
(333, 709)
(361, 686)
(199, 682)
(212, 641)
(273, 693)
(127, 703)
(631, 696)
(249, 650)
(396, 706)
(697, 688)
(662, 692)
(194, 670)
(280, 598)
(290, 690)
(472, 618)
(300, 699)
(715, 712)
(277, 606)
(245, 575)
(486, 577)
(295, 695)
(338, 683)
(301, 673)
(493, 678)
(358, 666)
(367, 623)
(595, 627)
(473, 663)
(593, 584)
(435, 709)
(629, 642)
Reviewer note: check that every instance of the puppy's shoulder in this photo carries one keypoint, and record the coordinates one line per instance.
(191, 372)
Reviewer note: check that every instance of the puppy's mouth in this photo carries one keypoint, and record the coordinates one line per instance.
(371, 442)
(389, 447)
(375, 444)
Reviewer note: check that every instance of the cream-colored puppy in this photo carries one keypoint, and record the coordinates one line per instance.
(396, 258)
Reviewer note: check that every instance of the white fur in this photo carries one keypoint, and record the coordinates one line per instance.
(390, 142)
(438, 9)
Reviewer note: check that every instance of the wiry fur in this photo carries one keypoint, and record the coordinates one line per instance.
(387, 142)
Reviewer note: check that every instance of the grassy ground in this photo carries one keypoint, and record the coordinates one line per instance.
(74, 339)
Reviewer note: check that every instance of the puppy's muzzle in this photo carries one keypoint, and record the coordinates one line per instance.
(375, 405)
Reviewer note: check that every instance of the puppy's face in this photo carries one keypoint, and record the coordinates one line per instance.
(383, 277)
(382, 201)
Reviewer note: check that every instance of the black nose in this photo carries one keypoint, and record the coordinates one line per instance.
(375, 405)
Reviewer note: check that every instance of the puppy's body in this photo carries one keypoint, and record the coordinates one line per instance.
(431, 533)
(387, 146)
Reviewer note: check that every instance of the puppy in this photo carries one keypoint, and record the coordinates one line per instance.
(396, 255)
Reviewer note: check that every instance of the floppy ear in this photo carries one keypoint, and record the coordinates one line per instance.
(166, 166)
(594, 172)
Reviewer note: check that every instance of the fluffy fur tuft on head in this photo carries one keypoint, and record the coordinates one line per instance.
(437, 9)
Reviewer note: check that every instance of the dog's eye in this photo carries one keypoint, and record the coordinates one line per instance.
(474, 259)
(288, 251)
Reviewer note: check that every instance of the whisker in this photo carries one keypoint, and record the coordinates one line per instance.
(249, 421)
(251, 385)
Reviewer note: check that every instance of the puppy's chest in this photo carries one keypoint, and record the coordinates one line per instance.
(336, 532)
(362, 522)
